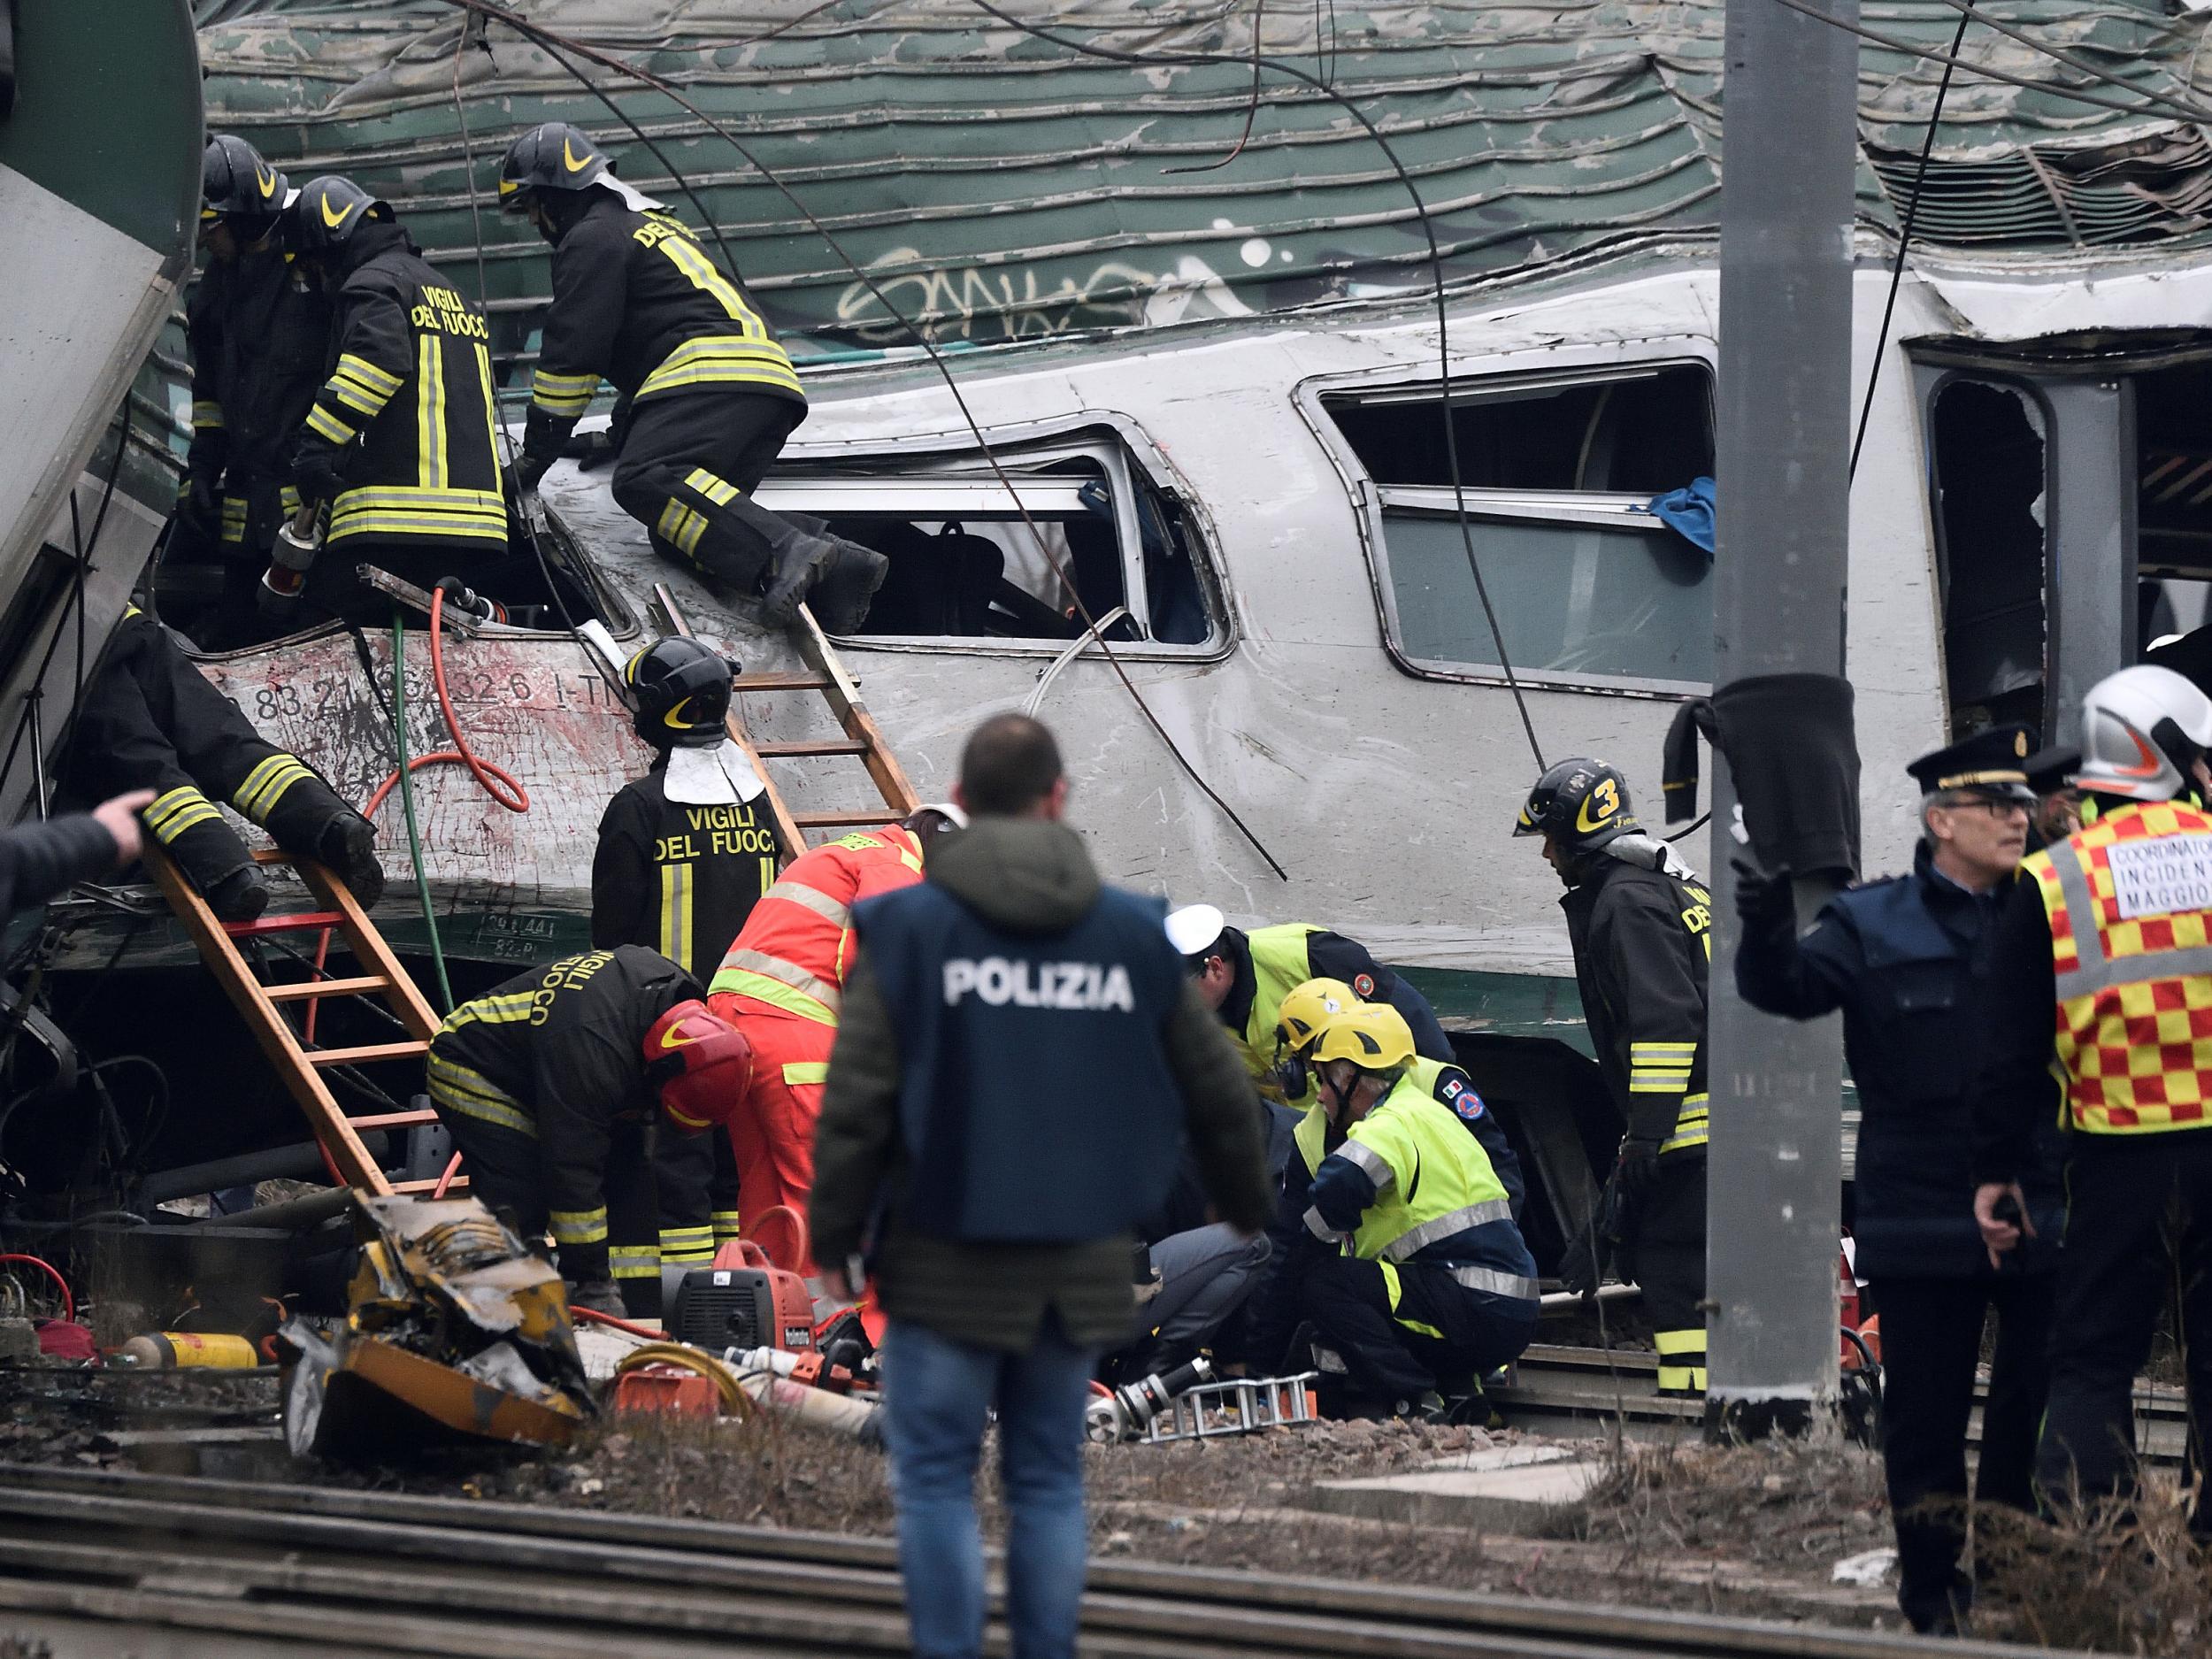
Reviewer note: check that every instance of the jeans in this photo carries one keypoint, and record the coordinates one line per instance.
(935, 1393)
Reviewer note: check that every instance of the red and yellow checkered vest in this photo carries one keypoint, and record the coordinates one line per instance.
(2128, 900)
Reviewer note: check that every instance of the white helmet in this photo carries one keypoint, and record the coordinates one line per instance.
(2141, 730)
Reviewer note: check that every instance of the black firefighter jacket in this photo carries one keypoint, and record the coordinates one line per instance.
(1642, 943)
(681, 879)
(636, 301)
(558, 1054)
(260, 331)
(401, 435)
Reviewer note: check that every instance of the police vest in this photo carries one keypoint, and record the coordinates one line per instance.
(1434, 1187)
(2129, 901)
(1035, 1100)
(1279, 967)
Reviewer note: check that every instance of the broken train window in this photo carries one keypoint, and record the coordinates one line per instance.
(966, 564)
(1557, 474)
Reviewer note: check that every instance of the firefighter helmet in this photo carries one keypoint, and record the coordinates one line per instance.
(699, 1063)
(1374, 1036)
(236, 183)
(323, 218)
(1307, 1009)
(1580, 803)
(680, 691)
(2142, 730)
(551, 156)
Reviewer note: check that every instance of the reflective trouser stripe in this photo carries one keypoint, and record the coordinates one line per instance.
(807, 1072)
(676, 913)
(207, 416)
(681, 527)
(266, 784)
(725, 1226)
(580, 1227)
(455, 1088)
(234, 518)
(1681, 1358)
(632, 1261)
(177, 811)
(1395, 1290)
(687, 1247)
(720, 491)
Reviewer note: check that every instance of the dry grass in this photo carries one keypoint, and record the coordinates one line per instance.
(2106, 1576)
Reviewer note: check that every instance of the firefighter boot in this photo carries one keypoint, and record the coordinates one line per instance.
(806, 563)
(349, 847)
(306, 816)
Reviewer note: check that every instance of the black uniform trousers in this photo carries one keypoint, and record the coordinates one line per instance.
(1466, 1333)
(689, 463)
(1931, 1342)
(505, 1169)
(1667, 1254)
(150, 720)
(2139, 1227)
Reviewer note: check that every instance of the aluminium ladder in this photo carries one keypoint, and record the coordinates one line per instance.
(862, 741)
(299, 1063)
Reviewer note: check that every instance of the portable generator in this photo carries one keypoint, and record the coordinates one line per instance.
(743, 1300)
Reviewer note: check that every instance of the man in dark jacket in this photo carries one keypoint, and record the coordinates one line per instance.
(549, 1085)
(1900, 957)
(398, 444)
(259, 333)
(1640, 924)
(1019, 1062)
(39, 860)
(705, 394)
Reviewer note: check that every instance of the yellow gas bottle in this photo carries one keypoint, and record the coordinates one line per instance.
(175, 1350)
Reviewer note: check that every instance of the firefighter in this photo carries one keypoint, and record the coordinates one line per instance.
(1639, 922)
(782, 984)
(399, 446)
(684, 852)
(2105, 941)
(1898, 956)
(1243, 977)
(1308, 1009)
(705, 396)
(549, 1085)
(149, 720)
(258, 331)
(1429, 1285)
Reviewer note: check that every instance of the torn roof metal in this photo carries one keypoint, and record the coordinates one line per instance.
(1001, 187)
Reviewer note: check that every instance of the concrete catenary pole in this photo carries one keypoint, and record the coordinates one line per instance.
(1790, 139)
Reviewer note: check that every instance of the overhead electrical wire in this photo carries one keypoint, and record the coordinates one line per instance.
(1904, 238)
(553, 44)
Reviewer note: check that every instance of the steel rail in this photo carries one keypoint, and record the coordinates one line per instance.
(508, 1575)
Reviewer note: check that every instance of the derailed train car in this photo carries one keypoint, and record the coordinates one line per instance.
(1217, 392)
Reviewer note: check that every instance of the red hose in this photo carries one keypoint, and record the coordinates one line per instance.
(451, 1170)
(597, 1317)
(68, 1302)
(495, 780)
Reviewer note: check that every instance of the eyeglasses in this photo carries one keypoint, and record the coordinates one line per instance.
(1995, 808)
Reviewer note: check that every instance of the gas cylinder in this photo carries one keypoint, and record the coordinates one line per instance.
(175, 1350)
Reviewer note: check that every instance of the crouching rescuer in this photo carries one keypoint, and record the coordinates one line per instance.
(550, 1084)
(1395, 1233)
(705, 394)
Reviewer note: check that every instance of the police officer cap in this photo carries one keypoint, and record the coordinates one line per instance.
(1194, 929)
(2052, 768)
(1992, 764)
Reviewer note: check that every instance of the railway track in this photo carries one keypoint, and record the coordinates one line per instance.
(1558, 1390)
(97, 1562)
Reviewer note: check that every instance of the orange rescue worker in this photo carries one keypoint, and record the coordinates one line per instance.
(781, 983)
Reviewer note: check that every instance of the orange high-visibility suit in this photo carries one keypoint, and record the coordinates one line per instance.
(781, 984)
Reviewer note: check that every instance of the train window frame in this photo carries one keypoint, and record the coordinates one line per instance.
(1375, 503)
(923, 472)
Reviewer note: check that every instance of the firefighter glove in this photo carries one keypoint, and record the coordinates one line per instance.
(1763, 898)
(590, 449)
(1637, 1169)
(317, 478)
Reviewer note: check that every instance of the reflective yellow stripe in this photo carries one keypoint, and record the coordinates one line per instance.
(288, 498)
(1671, 1343)
(676, 913)
(562, 385)
(267, 783)
(684, 254)
(430, 438)
(1683, 1378)
(579, 1226)
(720, 491)
(365, 372)
(686, 1237)
(630, 1261)
(356, 397)
(493, 1010)
(323, 424)
(455, 1088)
(814, 993)
(1657, 1051)
(207, 416)
(491, 400)
(807, 1072)
(177, 811)
(761, 988)
(813, 899)
(726, 1224)
(1691, 1125)
(679, 524)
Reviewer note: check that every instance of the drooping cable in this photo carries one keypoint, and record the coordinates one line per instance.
(1252, 105)
(407, 801)
(552, 44)
(1904, 238)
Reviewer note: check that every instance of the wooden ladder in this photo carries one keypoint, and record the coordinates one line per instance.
(300, 1065)
(863, 740)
